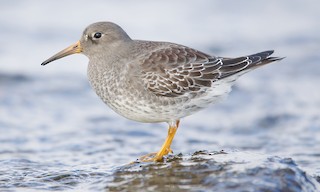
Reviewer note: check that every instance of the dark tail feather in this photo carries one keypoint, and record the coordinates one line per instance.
(232, 66)
(263, 58)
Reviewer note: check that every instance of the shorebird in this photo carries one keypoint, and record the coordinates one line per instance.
(150, 81)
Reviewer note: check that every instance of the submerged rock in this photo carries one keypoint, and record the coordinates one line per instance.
(214, 171)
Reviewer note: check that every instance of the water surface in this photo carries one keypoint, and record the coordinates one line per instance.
(56, 134)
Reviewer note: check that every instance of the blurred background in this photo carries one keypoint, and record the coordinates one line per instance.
(52, 124)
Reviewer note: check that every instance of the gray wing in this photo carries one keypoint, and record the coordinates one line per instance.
(177, 70)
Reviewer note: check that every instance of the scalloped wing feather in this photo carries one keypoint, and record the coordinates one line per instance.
(176, 70)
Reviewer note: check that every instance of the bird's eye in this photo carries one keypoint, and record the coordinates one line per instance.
(97, 35)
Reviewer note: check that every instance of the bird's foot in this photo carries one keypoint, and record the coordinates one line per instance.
(154, 157)
(165, 149)
(150, 157)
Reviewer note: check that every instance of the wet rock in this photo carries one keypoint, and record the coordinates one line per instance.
(214, 171)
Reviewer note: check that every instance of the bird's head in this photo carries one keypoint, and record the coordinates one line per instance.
(96, 38)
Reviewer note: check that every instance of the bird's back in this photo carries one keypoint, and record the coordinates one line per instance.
(159, 81)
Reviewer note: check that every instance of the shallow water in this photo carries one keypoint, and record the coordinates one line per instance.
(55, 133)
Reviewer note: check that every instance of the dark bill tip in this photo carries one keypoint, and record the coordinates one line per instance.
(75, 48)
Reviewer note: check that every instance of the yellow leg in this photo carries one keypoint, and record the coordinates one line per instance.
(165, 149)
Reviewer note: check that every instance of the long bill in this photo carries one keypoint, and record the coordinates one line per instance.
(75, 48)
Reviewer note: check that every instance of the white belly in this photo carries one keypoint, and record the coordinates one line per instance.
(149, 108)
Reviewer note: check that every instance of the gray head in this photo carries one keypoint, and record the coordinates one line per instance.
(95, 38)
